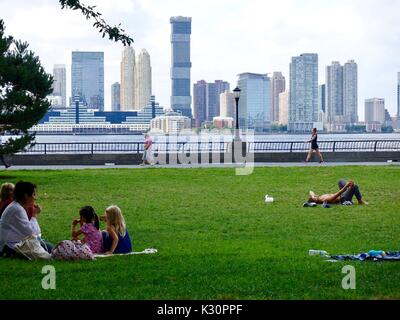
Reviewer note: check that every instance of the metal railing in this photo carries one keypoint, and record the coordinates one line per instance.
(213, 147)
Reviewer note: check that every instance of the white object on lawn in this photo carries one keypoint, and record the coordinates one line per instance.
(146, 251)
(269, 199)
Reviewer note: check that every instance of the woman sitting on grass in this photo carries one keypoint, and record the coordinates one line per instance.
(6, 196)
(116, 239)
(90, 228)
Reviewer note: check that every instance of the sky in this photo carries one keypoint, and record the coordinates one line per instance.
(228, 38)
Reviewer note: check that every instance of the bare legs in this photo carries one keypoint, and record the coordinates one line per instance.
(319, 154)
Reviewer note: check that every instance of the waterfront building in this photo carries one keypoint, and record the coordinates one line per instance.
(303, 97)
(181, 65)
(87, 75)
(255, 101)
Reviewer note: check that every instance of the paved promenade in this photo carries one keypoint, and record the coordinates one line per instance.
(190, 166)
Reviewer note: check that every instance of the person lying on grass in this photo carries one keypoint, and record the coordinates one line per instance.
(116, 239)
(90, 228)
(345, 195)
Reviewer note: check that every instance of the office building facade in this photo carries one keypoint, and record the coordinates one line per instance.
(116, 97)
(87, 74)
(278, 85)
(199, 102)
(255, 100)
(303, 97)
(60, 84)
(375, 111)
(181, 65)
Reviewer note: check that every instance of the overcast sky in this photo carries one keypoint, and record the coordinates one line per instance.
(228, 37)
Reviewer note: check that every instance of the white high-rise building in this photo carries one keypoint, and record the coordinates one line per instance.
(283, 108)
(350, 91)
(128, 79)
(227, 105)
(143, 87)
(303, 96)
(278, 85)
(60, 84)
(375, 111)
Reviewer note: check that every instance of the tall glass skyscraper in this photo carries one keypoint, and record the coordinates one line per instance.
(255, 101)
(321, 98)
(181, 99)
(303, 100)
(199, 102)
(116, 97)
(60, 83)
(212, 98)
(398, 95)
(87, 73)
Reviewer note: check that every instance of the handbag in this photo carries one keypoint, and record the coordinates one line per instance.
(31, 249)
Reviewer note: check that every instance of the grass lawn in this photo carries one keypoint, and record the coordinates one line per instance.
(216, 237)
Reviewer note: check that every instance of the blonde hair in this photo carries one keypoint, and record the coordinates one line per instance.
(116, 219)
(7, 191)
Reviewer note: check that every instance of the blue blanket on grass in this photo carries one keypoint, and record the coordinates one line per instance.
(370, 256)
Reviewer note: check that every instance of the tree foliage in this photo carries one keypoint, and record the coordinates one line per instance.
(115, 33)
(24, 85)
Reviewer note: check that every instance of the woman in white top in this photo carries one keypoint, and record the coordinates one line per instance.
(15, 225)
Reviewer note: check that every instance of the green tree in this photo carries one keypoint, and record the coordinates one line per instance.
(24, 85)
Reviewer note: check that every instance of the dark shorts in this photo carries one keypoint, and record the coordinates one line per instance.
(314, 147)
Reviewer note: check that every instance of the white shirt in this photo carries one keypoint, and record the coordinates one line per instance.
(14, 226)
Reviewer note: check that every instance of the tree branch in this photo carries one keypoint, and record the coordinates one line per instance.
(115, 33)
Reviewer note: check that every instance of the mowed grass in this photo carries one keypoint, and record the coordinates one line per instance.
(216, 237)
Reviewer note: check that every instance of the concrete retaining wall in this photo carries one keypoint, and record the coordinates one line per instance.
(135, 159)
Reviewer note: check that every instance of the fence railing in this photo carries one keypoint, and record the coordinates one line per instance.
(211, 147)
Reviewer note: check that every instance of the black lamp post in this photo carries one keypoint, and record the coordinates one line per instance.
(236, 92)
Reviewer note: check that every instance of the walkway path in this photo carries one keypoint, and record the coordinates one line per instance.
(190, 166)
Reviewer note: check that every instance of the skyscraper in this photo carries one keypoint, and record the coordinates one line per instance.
(322, 98)
(60, 83)
(128, 79)
(181, 65)
(116, 97)
(142, 80)
(334, 93)
(375, 111)
(303, 98)
(398, 95)
(87, 75)
(283, 108)
(227, 105)
(350, 92)
(255, 101)
(212, 98)
(199, 102)
(278, 85)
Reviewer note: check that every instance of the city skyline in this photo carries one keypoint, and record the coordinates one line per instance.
(246, 42)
